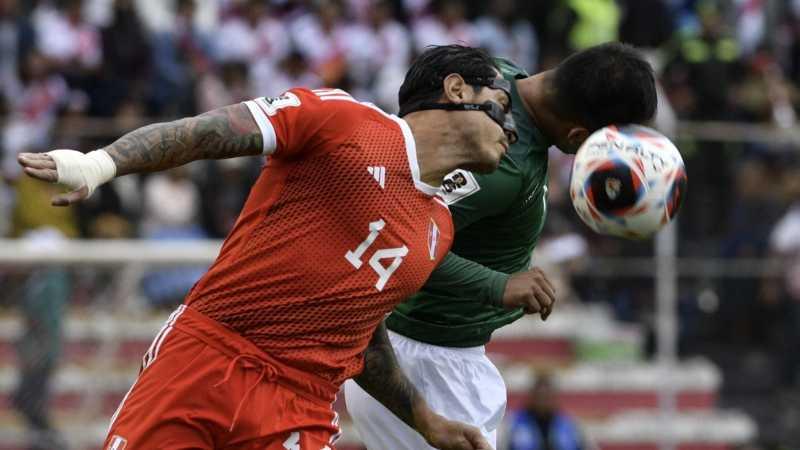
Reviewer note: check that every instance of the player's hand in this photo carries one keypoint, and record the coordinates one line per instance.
(43, 167)
(81, 173)
(446, 434)
(531, 291)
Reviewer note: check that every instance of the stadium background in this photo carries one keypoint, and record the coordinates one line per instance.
(75, 317)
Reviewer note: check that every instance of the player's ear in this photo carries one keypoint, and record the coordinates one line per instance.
(454, 88)
(575, 137)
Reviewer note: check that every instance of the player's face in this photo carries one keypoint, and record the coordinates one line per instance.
(485, 138)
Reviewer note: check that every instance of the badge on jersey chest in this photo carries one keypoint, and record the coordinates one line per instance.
(457, 185)
(433, 239)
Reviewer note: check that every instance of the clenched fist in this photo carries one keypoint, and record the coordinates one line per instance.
(531, 291)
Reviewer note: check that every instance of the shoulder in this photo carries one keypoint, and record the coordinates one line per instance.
(486, 189)
(510, 69)
(336, 103)
(345, 103)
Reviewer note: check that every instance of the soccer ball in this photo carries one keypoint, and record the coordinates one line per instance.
(627, 181)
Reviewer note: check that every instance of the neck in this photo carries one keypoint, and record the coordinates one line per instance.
(537, 98)
(439, 151)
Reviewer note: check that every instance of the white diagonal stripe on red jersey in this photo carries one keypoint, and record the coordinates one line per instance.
(117, 443)
(172, 319)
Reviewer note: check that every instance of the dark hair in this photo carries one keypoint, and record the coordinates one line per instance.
(606, 84)
(423, 81)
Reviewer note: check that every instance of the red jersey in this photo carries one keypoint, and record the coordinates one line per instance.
(337, 230)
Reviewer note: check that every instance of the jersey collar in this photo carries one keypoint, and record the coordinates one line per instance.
(411, 152)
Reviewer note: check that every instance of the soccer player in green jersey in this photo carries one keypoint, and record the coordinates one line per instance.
(485, 282)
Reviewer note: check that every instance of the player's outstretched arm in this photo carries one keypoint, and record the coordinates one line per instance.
(222, 133)
(384, 380)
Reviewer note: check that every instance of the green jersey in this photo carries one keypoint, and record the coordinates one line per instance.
(498, 219)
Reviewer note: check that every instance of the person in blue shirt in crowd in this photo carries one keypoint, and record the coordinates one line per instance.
(541, 425)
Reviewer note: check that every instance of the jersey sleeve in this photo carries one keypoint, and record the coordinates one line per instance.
(289, 121)
(463, 278)
(472, 197)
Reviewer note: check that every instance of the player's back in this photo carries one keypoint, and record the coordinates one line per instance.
(336, 231)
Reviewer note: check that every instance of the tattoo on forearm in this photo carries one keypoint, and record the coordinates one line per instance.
(383, 379)
(223, 133)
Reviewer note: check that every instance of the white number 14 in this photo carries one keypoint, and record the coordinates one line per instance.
(384, 273)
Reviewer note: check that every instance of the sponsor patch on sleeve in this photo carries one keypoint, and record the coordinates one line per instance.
(457, 185)
(271, 105)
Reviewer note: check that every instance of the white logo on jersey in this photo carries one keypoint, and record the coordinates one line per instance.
(271, 105)
(379, 173)
(433, 239)
(457, 185)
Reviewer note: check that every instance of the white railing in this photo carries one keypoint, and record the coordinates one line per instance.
(161, 252)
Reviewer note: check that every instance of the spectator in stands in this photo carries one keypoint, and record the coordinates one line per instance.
(224, 188)
(17, 39)
(126, 68)
(592, 22)
(294, 70)
(541, 425)
(255, 38)
(785, 244)
(751, 24)
(646, 23)
(42, 305)
(504, 33)
(176, 219)
(32, 110)
(390, 55)
(703, 72)
(446, 25)
(69, 41)
(791, 29)
(227, 85)
(393, 46)
(224, 184)
(180, 55)
(332, 45)
(754, 210)
(415, 9)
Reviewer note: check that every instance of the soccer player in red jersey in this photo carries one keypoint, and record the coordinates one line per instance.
(343, 223)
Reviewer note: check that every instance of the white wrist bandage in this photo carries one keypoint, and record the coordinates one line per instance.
(76, 169)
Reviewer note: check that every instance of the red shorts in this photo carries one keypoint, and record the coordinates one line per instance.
(203, 386)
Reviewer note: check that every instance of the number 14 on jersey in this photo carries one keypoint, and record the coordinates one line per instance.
(384, 272)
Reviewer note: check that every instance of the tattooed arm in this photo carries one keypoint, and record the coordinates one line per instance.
(383, 379)
(222, 133)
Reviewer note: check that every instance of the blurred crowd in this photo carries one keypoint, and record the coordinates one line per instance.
(79, 73)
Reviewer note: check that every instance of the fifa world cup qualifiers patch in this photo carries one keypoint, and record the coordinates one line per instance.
(457, 185)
